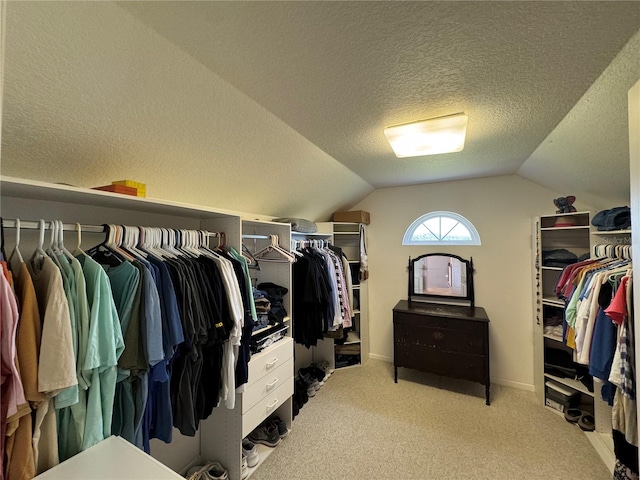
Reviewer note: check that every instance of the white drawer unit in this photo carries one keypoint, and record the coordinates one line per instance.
(264, 386)
(269, 360)
(267, 406)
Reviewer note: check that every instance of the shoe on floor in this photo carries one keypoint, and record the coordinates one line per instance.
(250, 450)
(587, 423)
(265, 435)
(245, 468)
(279, 425)
(210, 471)
(573, 414)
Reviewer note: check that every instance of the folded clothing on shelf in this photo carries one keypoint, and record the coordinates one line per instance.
(618, 218)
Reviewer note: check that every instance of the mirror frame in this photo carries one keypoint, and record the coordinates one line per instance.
(469, 266)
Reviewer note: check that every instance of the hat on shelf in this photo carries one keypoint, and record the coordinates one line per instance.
(565, 222)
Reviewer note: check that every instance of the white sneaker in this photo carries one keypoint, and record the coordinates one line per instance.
(250, 451)
(245, 469)
(214, 471)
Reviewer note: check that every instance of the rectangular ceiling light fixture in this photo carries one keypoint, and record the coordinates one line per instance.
(428, 137)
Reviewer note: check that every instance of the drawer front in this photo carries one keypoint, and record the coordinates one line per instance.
(266, 407)
(471, 326)
(270, 359)
(267, 384)
(438, 338)
(468, 367)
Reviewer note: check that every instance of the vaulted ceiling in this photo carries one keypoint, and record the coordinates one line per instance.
(528, 74)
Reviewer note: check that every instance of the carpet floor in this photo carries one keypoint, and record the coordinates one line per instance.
(362, 425)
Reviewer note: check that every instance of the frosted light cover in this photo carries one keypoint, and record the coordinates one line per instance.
(428, 137)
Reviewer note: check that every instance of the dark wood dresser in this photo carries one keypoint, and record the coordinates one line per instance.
(448, 340)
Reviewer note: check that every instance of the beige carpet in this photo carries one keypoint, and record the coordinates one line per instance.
(361, 425)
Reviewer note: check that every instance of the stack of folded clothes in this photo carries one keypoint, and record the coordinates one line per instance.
(558, 258)
(618, 218)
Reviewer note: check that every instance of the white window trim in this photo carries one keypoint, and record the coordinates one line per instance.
(475, 236)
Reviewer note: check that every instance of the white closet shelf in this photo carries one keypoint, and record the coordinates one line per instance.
(352, 337)
(569, 382)
(553, 337)
(556, 302)
(611, 232)
(32, 189)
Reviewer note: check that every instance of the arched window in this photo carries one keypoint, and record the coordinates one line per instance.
(441, 228)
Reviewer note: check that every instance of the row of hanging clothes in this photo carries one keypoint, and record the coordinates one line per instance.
(599, 327)
(323, 292)
(146, 331)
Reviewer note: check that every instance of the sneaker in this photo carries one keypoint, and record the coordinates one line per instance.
(210, 471)
(215, 471)
(245, 469)
(324, 368)
(250, 451)
(312, 373)
(195, 473)
(311, 383)
(280, 426)
(265, 436)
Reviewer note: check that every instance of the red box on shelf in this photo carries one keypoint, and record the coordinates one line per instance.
(118, 189)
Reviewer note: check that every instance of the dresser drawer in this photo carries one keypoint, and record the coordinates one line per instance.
(401, 318)
(456, 365)
(266, 406)
(267, 384)
(438, 338)
(269, 359)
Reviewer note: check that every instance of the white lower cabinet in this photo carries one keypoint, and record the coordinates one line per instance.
(267, 393)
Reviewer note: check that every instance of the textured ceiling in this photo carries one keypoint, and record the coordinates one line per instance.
(279, 107)
(339, 72)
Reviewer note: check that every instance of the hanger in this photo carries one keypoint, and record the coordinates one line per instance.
(16, 248)
(39, 254)
(104, 252)
(274, 248)
(252, 262)
(60, 241)
(52, 249)
(129, 241)
(78, 250)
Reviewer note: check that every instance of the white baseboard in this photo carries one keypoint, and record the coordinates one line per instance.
(494, 381)
(510, 383)
(383, 358)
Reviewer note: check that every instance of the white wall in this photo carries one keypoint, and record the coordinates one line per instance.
(502, 209)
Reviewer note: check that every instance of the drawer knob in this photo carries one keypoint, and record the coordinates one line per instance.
(271, 385)
(438, 335)
(272, 363)
(272, 406)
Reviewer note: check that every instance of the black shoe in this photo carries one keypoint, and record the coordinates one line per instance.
(587, 423)
(573, 414)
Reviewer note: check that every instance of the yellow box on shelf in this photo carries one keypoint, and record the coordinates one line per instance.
(141, 187)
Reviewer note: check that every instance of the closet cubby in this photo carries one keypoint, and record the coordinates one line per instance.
(270, 386)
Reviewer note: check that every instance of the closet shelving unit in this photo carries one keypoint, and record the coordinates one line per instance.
(347, 236)
(219, 437)
(578, 239)
(270, 386)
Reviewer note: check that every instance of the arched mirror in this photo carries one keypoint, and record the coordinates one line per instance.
(441, 275)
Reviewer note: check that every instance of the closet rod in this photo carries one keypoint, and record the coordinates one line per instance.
(69, 227)
(34, 225)
(259, 237)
